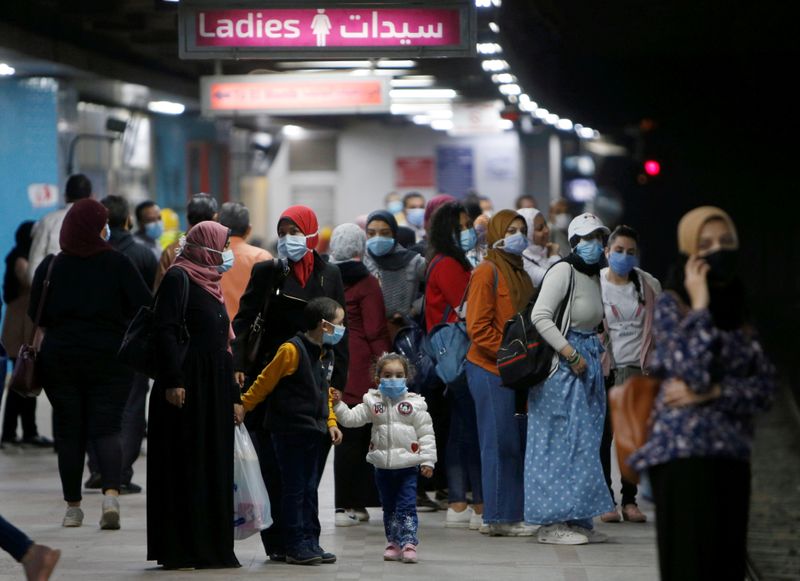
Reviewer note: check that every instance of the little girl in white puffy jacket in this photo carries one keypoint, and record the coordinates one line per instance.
(402, 446)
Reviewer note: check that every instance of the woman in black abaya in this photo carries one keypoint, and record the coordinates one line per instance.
(190, 451)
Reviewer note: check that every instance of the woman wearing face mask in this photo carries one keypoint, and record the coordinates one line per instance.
(93, 293)
(716, 378)
(192, 412)
(399, 271)
(450, 237)
(563, 474)
(541, 254)
(629, 298)
(284, 287)
(499, 288)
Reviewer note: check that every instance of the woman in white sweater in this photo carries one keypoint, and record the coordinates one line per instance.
(564, 485)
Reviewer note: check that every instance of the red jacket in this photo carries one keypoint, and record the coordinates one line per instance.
(367, 333)
(447, 281)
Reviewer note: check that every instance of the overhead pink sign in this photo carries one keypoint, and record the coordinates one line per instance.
(328, 27)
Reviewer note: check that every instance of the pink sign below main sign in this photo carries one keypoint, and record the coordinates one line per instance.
(332, 27)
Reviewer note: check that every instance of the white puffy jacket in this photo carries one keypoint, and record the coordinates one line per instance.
(402, 430)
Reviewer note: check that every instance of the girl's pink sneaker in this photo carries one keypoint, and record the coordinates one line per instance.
(409, 554)
(392, 553)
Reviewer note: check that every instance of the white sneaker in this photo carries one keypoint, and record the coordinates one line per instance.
(512, 530)
(484, 528)
(73, 517)
(475, 521)
(561, 534)
(109, 520)
(458, 520)
(346, 518)
(361, 515)
(593, 535)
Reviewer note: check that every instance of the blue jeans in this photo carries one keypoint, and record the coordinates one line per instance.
(13, 541)
(398, 491)
(501, 434)
(463, 448)
(298, 458)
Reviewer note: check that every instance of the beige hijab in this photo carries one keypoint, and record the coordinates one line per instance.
(692, 223)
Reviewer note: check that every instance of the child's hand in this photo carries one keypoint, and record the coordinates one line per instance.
(426, 471)
(336, 395)
(336, 435)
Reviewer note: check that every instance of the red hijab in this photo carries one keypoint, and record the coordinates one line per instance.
(198, 262)
(306, 220)
(434, 204)
(81, 229)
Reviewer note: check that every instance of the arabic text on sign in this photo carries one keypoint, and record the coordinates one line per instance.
(328, 28)
(296, 95)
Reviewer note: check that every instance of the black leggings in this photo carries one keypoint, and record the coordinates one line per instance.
(702, 508)
(90, 412)
(24, 408)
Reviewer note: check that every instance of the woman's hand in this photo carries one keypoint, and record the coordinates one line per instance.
(238, 413)
(336, 435)
(678, 394)
(579, 366)
(176, 396)
(696, 283)
(336, 395)
(239, 377)
(426, 471)
(552, 249)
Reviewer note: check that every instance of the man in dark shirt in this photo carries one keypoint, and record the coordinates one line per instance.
(133, 418)
(151, 227)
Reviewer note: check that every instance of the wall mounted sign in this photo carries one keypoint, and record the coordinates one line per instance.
(324, 94)
(216, 29)
(454, 170)
(414, 172)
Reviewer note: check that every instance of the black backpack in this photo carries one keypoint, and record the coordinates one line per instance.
(525, 358)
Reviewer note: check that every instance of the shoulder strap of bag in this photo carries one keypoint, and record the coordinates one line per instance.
(45, 287)
(567, 302)
(278, 274)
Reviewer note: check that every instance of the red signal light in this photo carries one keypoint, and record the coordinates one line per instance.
(652, 167)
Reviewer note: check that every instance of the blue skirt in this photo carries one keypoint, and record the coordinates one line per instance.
(563, 476)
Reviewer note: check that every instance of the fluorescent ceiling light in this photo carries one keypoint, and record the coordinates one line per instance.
(442, 124)
(6, 70)
(396, 64)
(564, 124)
(417, 108)
(541, 113)
(488, 3)
(166, 107)
(494, 65)
(510, 89)
(528, 106)
(551, 119)
(494, 28)
(422, 94)
(489, 48)
(504, 78)
(293, 131)
(585, 132)
(413, 82)
(441, 114)
(421, 119)
(506, 124)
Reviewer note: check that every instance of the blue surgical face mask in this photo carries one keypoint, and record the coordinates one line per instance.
(227, 261)
(513, 243)
(393, 387)
(106, 233)
(589, 250)
(335, 337)
(154, 230)
(468, 239)
(380, 245)
(395, 206)
(292, 246)
(416, 217)
(622, 263)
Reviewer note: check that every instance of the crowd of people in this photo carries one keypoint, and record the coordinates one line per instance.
(303, 349)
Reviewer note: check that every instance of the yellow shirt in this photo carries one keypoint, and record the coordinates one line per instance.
(285, 363)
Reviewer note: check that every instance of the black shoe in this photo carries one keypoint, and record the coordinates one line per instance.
(10, 442)
(425, 504)
(327, 558)
(38, 442)
(279, 557)
(130, 488)
(303, 556)
(94, 481)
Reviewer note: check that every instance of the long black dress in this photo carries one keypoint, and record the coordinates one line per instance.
(190, 449)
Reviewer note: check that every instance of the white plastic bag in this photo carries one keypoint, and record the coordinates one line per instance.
(251, 508)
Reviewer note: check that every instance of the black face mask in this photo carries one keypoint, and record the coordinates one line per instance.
(724, 264)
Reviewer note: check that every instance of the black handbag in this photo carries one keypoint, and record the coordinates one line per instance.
(252, 338)
(525, 358)
(138, 349)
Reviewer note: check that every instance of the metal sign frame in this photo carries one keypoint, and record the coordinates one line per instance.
(207, 82)
(188, 48)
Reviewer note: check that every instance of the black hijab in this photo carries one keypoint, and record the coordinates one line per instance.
(22, 248)
(398, 257)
